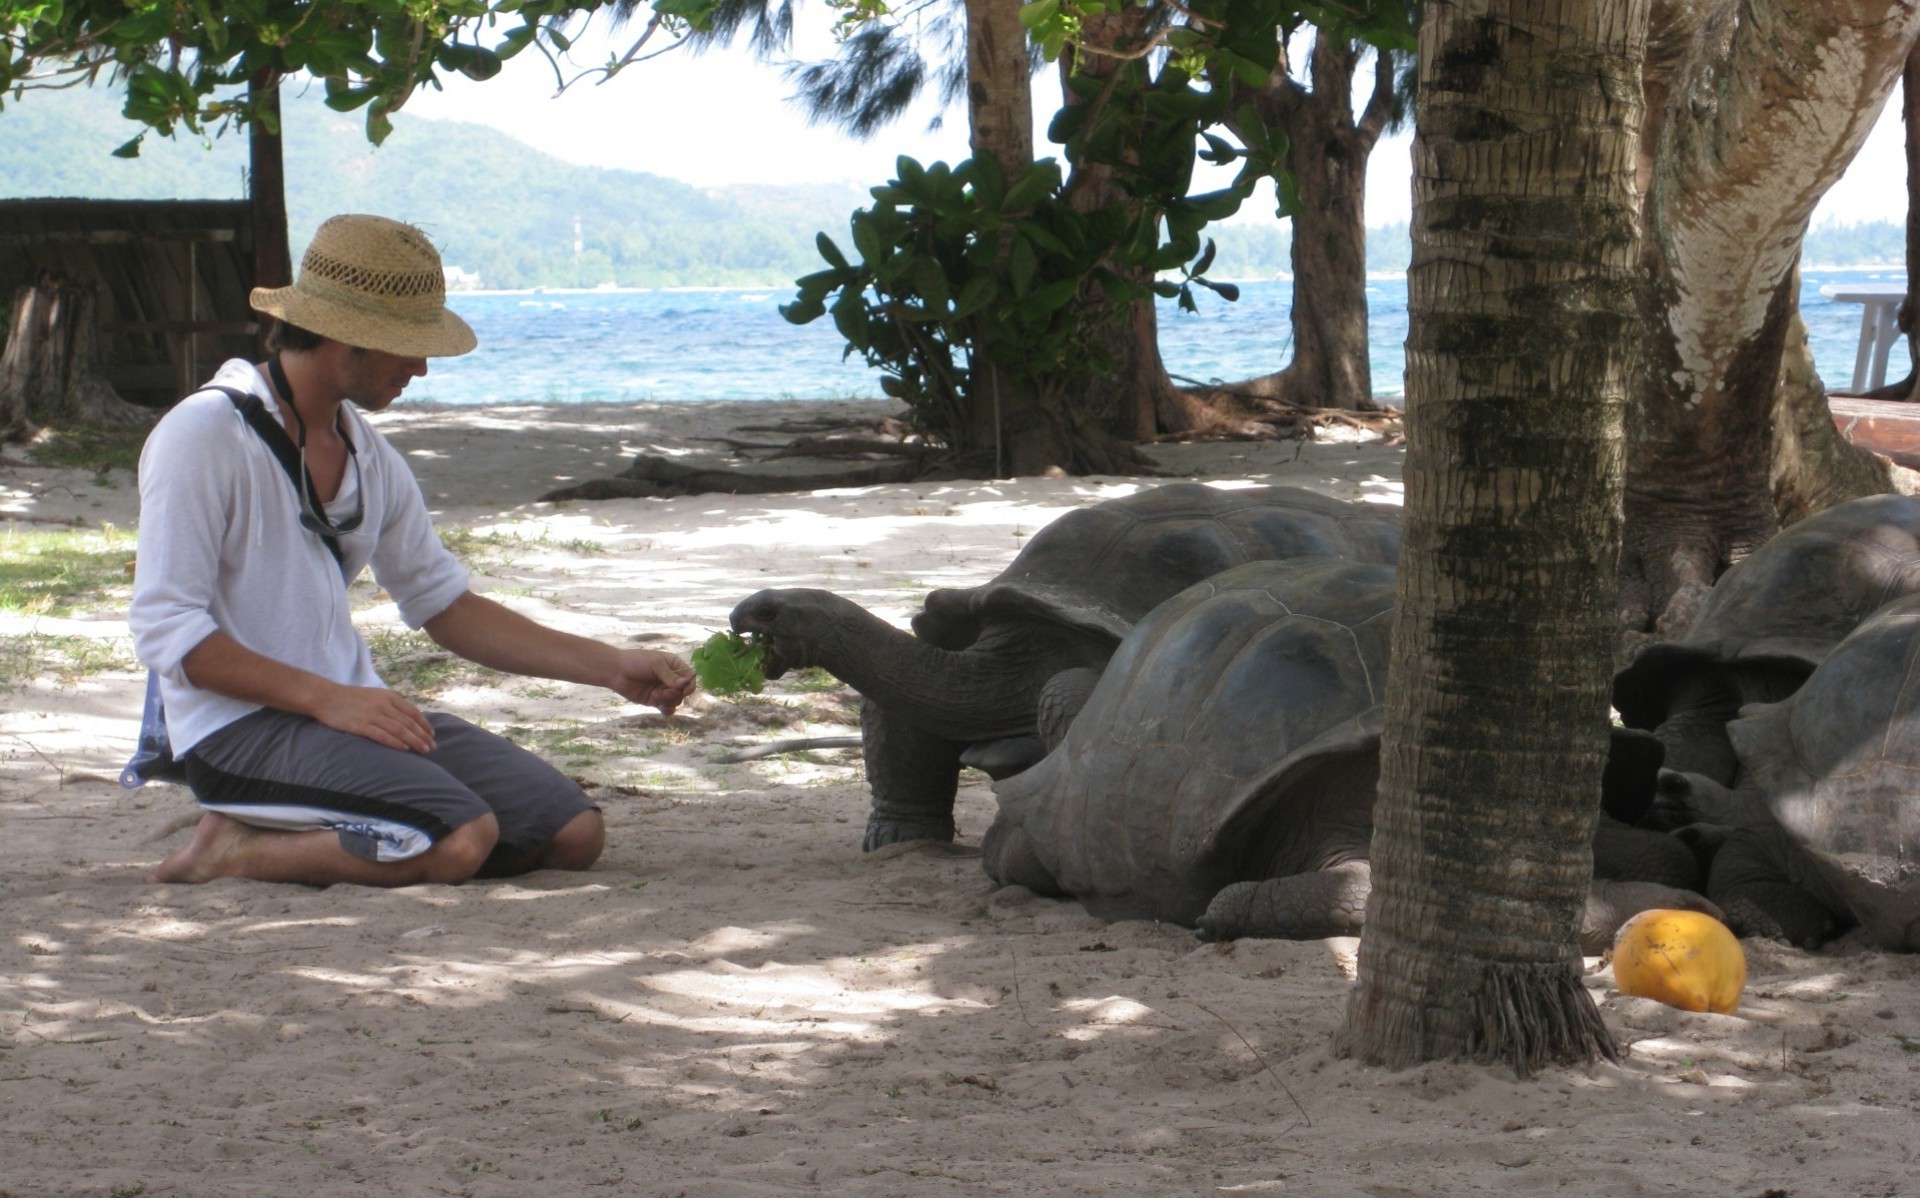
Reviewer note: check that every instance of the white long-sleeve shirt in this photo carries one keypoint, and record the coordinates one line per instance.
(221, 549)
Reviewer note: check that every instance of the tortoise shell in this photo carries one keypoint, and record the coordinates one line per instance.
(1102, 568)
(1233, 733)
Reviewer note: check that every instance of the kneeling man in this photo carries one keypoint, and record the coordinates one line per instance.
(308, 767)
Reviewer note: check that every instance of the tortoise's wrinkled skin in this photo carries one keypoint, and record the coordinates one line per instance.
(974, 676)
(1769, 622)
(1822, 831)
(1223, 772)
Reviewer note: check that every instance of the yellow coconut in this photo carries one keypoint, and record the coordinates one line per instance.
(1682, 958)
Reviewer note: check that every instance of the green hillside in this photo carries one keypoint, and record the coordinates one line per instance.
(497, 207)
(521, 218)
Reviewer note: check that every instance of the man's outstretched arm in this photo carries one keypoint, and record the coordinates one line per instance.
(485, 632)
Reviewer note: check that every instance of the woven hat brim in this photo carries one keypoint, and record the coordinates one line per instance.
(442, 334)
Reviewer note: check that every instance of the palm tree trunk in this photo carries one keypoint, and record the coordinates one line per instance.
(1523, 331)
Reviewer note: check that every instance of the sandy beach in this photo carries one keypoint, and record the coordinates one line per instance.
(736, 1002)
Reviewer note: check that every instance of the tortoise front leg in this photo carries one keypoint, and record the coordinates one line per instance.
(1330, 902)
(913, 775)
(1752, 881)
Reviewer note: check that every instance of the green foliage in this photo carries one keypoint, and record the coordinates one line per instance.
(728, 664)
(958, 262)
(179, 63)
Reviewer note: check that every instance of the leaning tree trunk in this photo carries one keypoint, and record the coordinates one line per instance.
(1523, 327)
(1327, 152)
(1755, 107)
(50, 371)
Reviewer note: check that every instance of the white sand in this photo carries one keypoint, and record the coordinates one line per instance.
(736, 1001)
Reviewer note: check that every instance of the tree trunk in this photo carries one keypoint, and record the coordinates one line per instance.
(1004, 415)
(1755, 107)
(267, 186)
(1327, 151)
(50, 371)
(1126, 405)
(1523, 330)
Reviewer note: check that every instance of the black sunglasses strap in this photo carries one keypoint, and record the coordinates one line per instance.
(283, 449)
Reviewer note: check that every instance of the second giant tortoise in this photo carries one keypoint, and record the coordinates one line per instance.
(1222, 774)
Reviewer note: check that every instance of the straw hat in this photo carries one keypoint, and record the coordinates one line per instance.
(373, 283)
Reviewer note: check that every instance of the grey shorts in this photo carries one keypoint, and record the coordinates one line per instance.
(273, 769)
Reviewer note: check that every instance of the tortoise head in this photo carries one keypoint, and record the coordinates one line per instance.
(801, 627)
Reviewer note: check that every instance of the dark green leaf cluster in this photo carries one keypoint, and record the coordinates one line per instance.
(959, 262)
(728, 664)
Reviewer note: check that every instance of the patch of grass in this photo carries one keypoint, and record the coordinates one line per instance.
(101, 450)
(416, 667)
(474, 548)
(60, 573)
(63, 660)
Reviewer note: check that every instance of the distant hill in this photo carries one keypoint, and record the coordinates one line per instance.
(522, 218)
(497, 207)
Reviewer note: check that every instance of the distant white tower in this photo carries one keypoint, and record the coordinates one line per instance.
(578, 242)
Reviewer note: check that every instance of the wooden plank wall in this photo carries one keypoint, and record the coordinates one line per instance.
(172, 275)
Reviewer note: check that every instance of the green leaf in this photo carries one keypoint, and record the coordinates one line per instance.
(1034, 15)
(129, 149)
(1052, 297)
(1205, 259)
(975, 294)
(831, 252)
(729, 664)
(1035, 183)
(1020, 265)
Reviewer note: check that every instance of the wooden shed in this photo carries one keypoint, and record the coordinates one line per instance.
(171, 278)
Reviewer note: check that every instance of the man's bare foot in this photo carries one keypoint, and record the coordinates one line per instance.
(214, 852)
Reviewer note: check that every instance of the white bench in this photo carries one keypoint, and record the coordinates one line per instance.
(1878, 327)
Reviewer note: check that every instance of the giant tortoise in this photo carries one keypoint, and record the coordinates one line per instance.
(1821, 831)
(1222, 774)
(976, 671)
(1771, 619)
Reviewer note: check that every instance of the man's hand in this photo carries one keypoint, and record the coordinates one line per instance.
(377, 714)
(649, 676)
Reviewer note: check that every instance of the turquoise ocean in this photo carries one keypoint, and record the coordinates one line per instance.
(732, 344)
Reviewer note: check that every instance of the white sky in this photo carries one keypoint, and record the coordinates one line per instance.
(724, 118)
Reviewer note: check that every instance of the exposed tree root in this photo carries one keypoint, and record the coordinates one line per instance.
(1245, 412)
